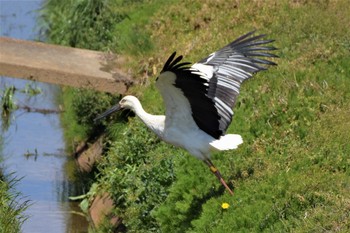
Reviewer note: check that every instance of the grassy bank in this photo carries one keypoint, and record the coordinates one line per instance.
(292, 172)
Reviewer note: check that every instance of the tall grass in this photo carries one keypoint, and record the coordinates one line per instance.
(12, 206)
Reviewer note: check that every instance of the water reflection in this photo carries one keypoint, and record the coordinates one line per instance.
(33, 144)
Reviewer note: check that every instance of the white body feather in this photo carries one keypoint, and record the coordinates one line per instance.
(182, 131)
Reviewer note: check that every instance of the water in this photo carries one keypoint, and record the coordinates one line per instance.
(34, 147)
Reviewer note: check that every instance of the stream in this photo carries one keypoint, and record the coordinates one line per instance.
(34, 149)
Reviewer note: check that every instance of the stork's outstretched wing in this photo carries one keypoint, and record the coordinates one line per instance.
(211, 86)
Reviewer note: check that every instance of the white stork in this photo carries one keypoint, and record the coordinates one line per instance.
(199, 98)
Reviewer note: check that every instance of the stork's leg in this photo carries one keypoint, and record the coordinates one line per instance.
(216, 172)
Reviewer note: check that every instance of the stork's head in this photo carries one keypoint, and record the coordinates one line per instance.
(128, 102)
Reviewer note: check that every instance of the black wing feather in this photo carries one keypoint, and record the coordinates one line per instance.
(212, 98)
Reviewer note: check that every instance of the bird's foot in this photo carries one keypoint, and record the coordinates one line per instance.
(216, 172)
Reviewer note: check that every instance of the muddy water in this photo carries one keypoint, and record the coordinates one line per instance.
(34, 147)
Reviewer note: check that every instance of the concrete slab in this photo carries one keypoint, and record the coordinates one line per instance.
(62, 65)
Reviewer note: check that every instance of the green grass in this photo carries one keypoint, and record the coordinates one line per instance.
(12, 206)
(131, 37)
(292, 172)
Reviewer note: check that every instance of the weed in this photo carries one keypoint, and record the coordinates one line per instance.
(7, 106)
(31, 89)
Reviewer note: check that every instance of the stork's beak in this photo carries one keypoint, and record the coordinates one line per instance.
(115, 108)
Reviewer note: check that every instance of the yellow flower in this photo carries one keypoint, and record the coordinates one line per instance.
(225, 206)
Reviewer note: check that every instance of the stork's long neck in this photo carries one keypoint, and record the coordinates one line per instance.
(153, 122)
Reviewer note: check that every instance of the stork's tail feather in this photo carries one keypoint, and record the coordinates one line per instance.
(227, 142)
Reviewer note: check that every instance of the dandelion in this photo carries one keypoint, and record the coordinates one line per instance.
(225, 205)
